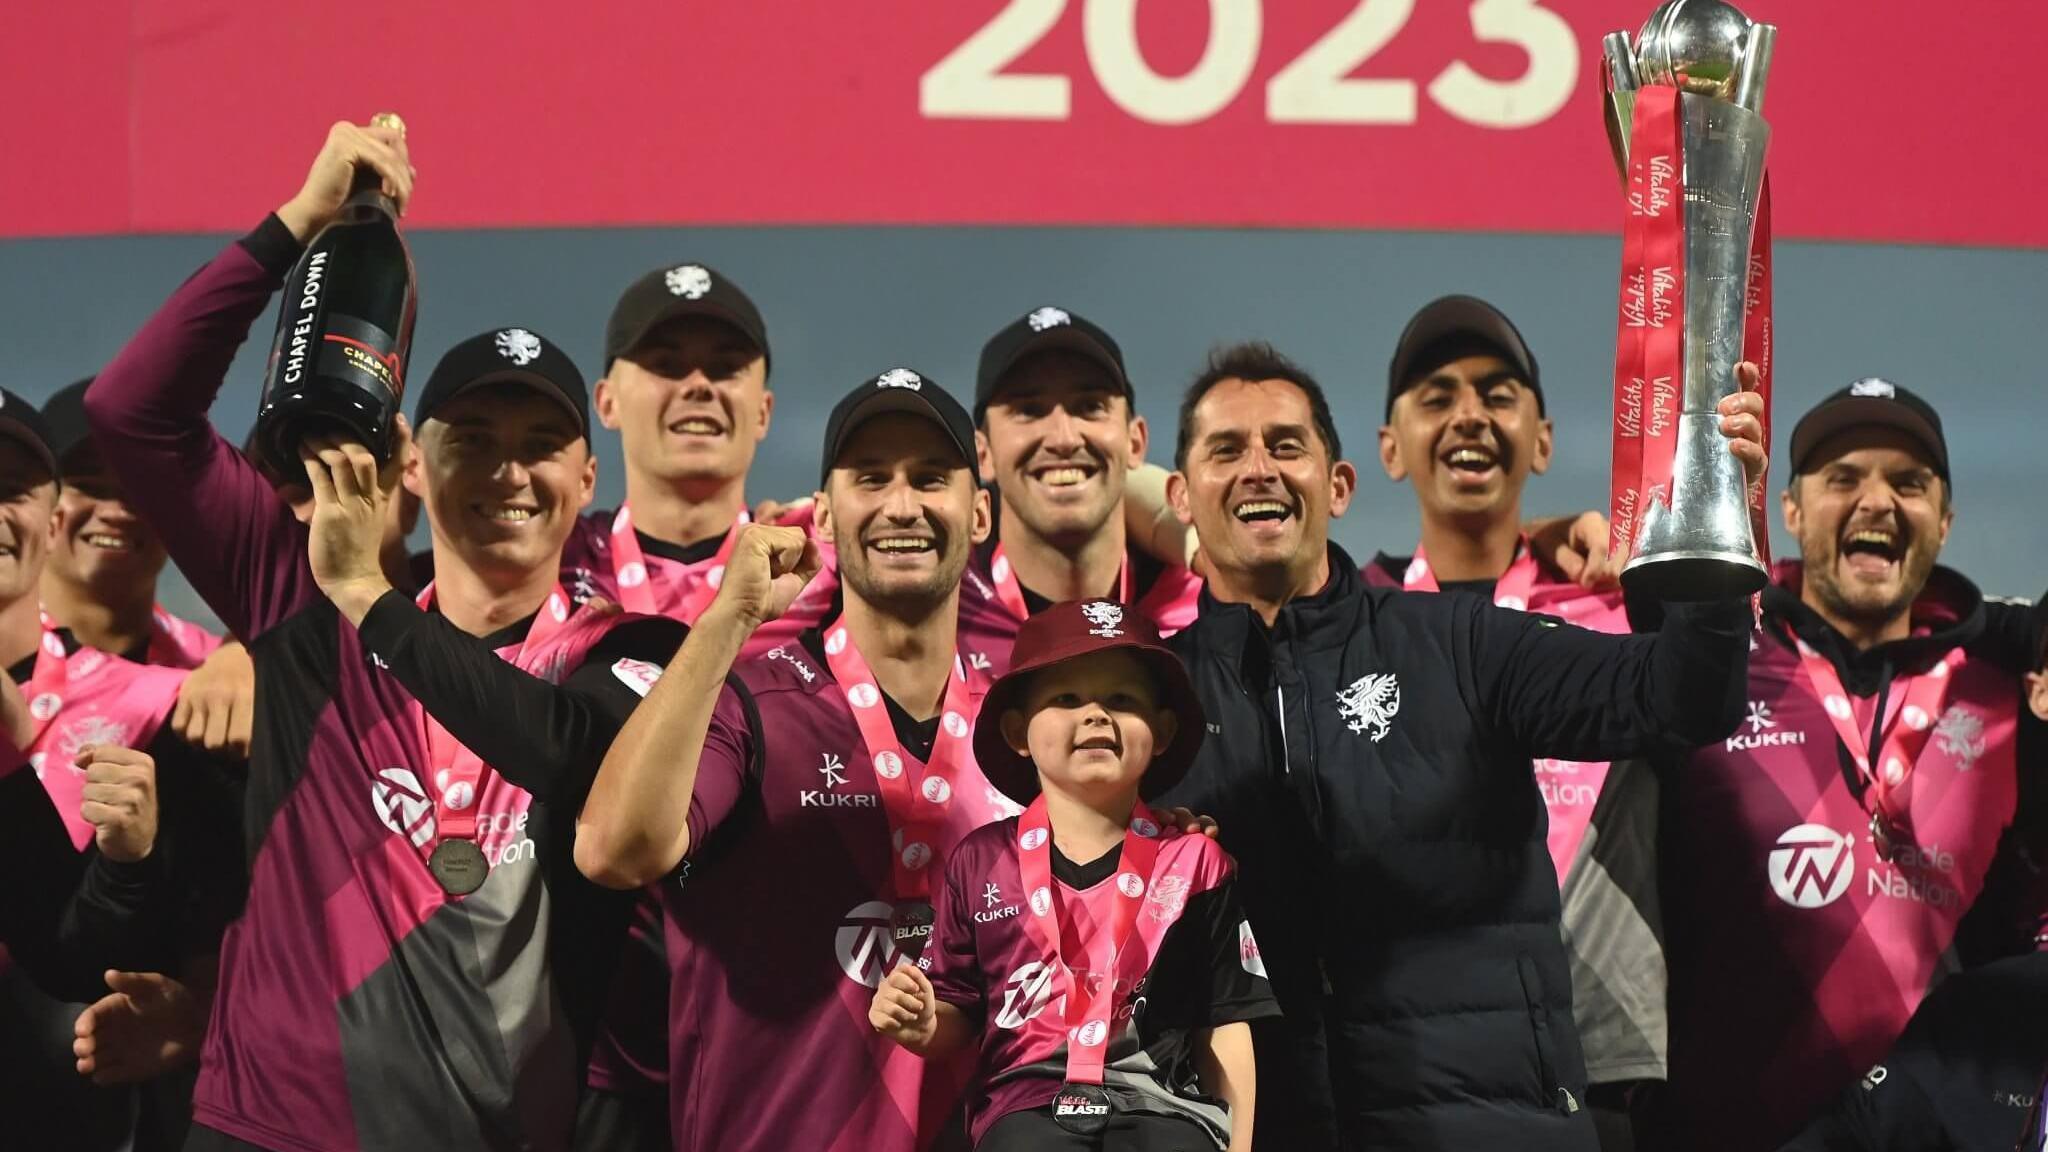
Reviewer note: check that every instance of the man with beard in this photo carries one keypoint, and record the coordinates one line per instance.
(100, 581)
(1818, 863)
(1059, 435)
(1368, 762)
(419, 963)
(813, 796)
(1465, 423)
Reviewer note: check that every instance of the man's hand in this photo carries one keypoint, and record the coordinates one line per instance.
(905, 1009)
(346, 544)
(1742, 422)
(794, 514)
(768, 568)
(334, 170)
(217, 703)
(148, 1026)
(1189, 823)
(1577, 547)
(119, 800)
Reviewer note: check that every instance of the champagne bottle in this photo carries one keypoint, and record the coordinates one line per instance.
(344, 331)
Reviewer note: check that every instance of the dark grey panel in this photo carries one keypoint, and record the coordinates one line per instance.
(1964, 326)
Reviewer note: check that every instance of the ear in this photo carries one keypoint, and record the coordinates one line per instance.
(589, 480)
(1016, 731)
(1165, 726)
(1788, 506)
(413, 474)
(607, 401)
(1390, 455)
(1177, 498)
(1540, 462)
(984, 457)
(1343, 482)
(1141, 439)
(1948, 520)
(984, 516)
(767, 414)
(2037, 693)
(821, 514)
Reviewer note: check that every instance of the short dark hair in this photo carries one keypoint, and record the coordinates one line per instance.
(1252, 361)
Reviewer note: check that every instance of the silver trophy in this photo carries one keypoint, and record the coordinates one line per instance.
(1700, 547)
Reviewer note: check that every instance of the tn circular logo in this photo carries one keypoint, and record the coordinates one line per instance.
(403, 805)
(866, 943)
(1812, 865)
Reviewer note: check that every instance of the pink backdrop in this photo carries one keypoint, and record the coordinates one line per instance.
(1893, 121)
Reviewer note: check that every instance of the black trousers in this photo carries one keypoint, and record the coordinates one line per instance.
(1035, 1130)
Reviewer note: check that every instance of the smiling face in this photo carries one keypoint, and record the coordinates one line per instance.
(1258, 483)
(690, 401)
(1058, 439)
(903, 511)
(96, 542)
(504, 472)
(1468, 435)
(1871, 517)
(28, 502)
(1092, 725)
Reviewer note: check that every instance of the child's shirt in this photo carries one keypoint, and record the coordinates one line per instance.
(1191, 963)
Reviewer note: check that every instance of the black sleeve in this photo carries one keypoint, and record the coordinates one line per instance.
(1561, 691)
(1237, 983)
(546, 738)
(33, 844)
(199, 831)
(1891, 1109)
(2013, 634)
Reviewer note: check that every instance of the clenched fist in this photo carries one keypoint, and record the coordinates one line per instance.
(768, 568)
(905, 1008)
(119, 800)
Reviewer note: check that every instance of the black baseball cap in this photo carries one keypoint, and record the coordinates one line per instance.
(20, 422)
(64, 418)
(1454, 326)
(898, 390)
(502, 355)
(680, 290)
(1866, 402)
(1041, 330)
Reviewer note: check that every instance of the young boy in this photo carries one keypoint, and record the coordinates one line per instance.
(1104, 965)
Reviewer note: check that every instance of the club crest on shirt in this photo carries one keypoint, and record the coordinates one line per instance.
(1961, 735)
(1168, 897)
(1372, 702)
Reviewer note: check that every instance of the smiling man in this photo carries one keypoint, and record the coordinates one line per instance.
(1466, 427)
(813, 795)
(101, 578)
(1818, 863)
(1060, 439)
(1368, 762)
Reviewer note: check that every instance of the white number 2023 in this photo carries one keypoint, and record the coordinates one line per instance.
(1314, 88)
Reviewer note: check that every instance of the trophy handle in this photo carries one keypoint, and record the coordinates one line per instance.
(1620, 108)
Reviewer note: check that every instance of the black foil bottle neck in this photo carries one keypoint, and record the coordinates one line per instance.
(366, 198)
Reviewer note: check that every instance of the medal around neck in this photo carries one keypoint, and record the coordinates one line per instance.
(459, 867)
(1081, 1108)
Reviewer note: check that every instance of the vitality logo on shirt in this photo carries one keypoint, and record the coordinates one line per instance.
(1763, 731)
(403, 805)
(1812, 865)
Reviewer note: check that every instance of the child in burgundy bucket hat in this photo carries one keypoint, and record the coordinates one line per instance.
(1098, 959)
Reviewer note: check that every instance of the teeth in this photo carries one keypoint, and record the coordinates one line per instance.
(513, 515)
(102, 540)
(1871, 536)
(902, 544)
(1471, 456)
(699, 427)
(1261, 508)
(1063, 477)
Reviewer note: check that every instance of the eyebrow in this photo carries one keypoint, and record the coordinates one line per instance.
(1492, 379)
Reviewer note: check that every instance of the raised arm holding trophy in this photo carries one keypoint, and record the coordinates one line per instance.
(1683, 118)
